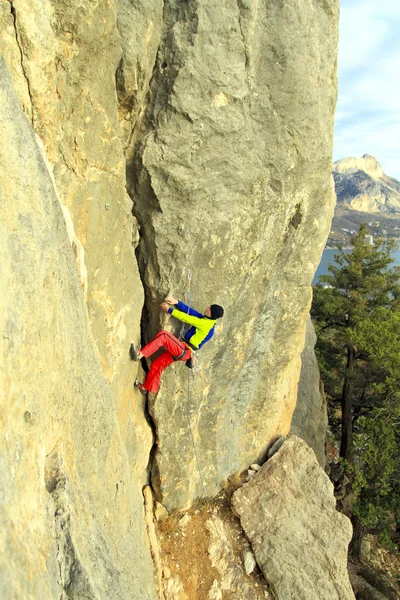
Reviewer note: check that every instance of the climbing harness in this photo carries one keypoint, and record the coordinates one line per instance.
(182, 354)
(236, 569)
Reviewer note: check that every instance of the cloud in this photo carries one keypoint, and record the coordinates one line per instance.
(368, 110)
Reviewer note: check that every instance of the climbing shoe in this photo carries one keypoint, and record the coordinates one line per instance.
(140, 387)
(189, 363)
(134, 354)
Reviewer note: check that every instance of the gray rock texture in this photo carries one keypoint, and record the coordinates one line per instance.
(310, 418)
(230, 178)
(299, 539)
(72, 514)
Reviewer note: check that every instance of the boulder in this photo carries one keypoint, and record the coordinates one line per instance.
(298, 538)
(249, 562)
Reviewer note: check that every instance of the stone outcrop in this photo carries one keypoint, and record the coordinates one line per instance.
(73, 512)
(287, 511)
(362, 186)
(310, 418)
(228, 175)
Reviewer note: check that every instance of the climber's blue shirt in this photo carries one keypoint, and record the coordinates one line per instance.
(202, 328)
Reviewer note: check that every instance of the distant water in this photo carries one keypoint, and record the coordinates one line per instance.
(328, 258)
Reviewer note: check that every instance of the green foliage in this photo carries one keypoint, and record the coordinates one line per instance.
(360, 285)
(356, 312)
(379, 337)
(359, 308)
(377, 472)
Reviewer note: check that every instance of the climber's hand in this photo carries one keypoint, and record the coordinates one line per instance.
(164, 307)
(170, 300)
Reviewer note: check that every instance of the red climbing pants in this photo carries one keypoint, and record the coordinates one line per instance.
(175, 350)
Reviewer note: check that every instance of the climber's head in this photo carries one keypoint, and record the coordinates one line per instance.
(215, 311)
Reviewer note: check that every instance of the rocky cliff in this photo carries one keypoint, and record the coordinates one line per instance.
(71, 499)
(226, 179)
(141, 140)
(361, 185)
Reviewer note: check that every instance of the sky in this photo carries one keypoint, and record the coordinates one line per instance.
(368, 109)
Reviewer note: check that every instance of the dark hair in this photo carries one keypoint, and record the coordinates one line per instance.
(216, 311)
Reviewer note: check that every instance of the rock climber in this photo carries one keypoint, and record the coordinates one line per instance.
(200, 332)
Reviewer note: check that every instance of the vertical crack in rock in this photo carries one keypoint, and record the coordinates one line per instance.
(134, 100)
(246, 50)
(152, 536)
(150, 105)
(14, 15)
(139, 189)
(149, 415)
(170, 59)
(72, 578)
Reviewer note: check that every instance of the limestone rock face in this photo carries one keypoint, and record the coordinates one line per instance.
(11, 52)
(361, 185)
(63, 56)
(310, 418)
(218, 118)
(72, 513)
(230, 178)
(140, 25)
(299, 539)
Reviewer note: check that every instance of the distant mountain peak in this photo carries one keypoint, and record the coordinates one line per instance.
(366, 163)
(361, 185)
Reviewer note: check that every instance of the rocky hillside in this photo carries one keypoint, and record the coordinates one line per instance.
(364, 194)
(138, 141)
(361, 185)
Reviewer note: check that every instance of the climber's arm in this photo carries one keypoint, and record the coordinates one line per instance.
(186, 318)
(188, 310)
(182, 307)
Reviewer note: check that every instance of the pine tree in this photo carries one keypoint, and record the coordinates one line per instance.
(356, 310)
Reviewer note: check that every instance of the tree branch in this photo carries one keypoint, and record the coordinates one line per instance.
(332, 325)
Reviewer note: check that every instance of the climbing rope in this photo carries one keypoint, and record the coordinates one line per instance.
(188, 301)
(236, 569)
(196, 364)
